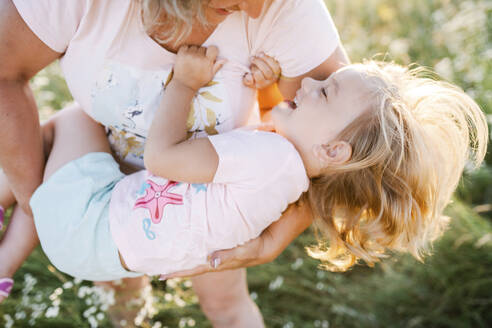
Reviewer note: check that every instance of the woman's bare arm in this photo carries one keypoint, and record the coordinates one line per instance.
(289, 86)
(22, 55)
(272, 241)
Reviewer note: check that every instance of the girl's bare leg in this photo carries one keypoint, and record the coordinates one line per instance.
(66, 144)
(223, 296)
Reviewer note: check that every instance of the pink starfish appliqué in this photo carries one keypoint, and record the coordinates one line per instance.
(156, 198)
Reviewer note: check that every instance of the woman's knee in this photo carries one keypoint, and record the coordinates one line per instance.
(220, 292)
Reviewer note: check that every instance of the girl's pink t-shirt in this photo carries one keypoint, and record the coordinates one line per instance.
(161, 226)
(116, 72)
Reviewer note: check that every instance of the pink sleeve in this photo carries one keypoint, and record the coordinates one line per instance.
(252, 159)
(246, 158)
(236, 160)
(301, 35)
(55, 22)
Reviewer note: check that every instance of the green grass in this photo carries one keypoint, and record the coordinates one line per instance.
(452, 288)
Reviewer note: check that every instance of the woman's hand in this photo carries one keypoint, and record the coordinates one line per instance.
(265, 71)
(263, 249)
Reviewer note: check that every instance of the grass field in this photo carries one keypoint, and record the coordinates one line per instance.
(453, 288)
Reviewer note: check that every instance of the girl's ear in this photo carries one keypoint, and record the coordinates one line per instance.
(337, 152)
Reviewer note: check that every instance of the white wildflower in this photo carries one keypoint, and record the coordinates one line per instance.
(93, 322)
(343, 310)
(179, 301)
(29, 282)
(297, 264)
(254, 296)
(52, 312)
(90, 311)
(20, 315)
(277, 283)
(9, 322)
(138, 319)
(68, 285)
(84, 290)
(38, 297)
(183, 322)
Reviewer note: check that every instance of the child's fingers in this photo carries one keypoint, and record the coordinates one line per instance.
(248, 80)
(218, 65)
(202, 51)
(192, 49)
(272, 63)
(258, 75)
(264, 67)
(212, 52)
(182, 50)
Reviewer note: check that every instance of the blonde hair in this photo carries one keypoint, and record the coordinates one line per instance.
(177, 16)
(408, 153)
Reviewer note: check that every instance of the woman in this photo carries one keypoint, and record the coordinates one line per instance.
(116, 55)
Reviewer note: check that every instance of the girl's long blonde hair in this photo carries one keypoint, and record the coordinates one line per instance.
(177, 16)
(409, 151)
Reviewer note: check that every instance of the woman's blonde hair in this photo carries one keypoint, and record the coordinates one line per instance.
(177, 16)
(408, 153)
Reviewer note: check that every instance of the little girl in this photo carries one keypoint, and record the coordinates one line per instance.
(375, 150)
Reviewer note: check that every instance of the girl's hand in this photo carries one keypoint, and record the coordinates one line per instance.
(265, 71)
(263, 249)
(196, 66)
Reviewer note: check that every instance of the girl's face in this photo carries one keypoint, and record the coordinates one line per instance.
(322, 109)
(218, 10)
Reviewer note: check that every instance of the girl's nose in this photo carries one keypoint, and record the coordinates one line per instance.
(308, 84)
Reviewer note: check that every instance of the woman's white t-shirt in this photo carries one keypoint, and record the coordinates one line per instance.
(117, 73)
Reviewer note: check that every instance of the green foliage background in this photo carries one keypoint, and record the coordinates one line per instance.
(453, 288)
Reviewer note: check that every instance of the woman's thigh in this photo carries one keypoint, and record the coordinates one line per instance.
(221, 289)
(74, 135)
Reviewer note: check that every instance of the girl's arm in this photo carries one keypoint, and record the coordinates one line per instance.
(263, 249)
(167, 152)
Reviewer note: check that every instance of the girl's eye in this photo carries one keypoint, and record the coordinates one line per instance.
(323, 91)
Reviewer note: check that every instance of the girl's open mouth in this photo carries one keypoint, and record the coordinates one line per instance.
(223, 11)
(292, 104)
